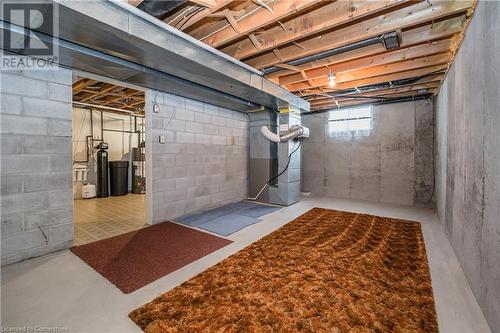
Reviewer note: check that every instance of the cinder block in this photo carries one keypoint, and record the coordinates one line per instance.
(211, 109)
(24, 202)
(184, 159)
(48, 145)
(182, 137)
(203, 118)
(169, 136)
(218, 120)
(177, 125)
(174, 195)
(231, 123)
(20, 85)
(60, 163)
(184, 115)
(61, 198)
(61, 75)
(211, 129)
(202, 202)
(22, 164)
(11, 185)
(185, 182)
(162, 185)
(45, 108)
(61, 233)
(194, 127)
(60, 92)
(203, 138)
(60, 127)
(12, 223)
(11, 104)
(217, 198)
(11, 144)
(218, 140)
(18, 242)
(44, 182)
(192, 105)
(24, 125)
(36, 219)
(226, 113)
(226, 131)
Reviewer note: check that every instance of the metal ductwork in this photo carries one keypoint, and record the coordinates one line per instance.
(159, 9)
(114, 39)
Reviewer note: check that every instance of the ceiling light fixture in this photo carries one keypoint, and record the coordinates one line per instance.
(331, 79)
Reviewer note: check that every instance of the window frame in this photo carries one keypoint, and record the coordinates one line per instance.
(347, 119)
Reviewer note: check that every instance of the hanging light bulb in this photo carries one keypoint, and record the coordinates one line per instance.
(331, 79)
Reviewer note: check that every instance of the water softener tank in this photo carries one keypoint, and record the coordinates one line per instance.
(102, 171)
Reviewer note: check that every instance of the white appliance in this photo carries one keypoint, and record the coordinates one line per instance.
(88, 191)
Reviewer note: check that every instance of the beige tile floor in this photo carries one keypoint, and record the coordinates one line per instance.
(101, 218)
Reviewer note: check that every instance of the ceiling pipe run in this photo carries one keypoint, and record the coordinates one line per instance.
(96, 106)
(389, 40)
(379, 102)
(326, 54)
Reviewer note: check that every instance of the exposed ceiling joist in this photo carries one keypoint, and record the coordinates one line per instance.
(415, 73)
(399, 92)
(298, 44)
(205, 3)
(411, 16)
(321, 19)
(382, 70)
(106, 94)
(258, 19)
(401, 54)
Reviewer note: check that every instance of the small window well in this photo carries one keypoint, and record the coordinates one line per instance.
(351, 121)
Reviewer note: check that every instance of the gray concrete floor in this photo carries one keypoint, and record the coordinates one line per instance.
(61, 290)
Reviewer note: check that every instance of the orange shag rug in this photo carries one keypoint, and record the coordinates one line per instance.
(326, 271)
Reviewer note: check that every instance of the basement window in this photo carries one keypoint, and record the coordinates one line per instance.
(351, 121)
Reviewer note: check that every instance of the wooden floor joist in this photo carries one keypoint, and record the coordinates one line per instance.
(106, 94)
(284, 34)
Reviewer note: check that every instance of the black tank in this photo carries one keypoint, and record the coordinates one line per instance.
(102, 171)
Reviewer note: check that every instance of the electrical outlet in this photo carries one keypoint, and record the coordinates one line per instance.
(162, 138)
(156, 108)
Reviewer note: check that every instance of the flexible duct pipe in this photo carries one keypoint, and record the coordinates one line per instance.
(295, 132)
(271, 136)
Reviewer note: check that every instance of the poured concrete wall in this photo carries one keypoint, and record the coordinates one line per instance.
(203, 162)
(36, 197)
(393, 164)
(468, 158)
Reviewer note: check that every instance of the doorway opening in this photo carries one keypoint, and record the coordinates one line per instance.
(109, 171)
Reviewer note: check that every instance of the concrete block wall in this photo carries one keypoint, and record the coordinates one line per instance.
(36, 179)
(394, 164)
(204, 161)
(468, 158)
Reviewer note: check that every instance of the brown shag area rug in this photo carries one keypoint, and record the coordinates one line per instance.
(326, 271)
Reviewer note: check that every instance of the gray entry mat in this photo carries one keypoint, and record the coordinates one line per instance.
(228, 219)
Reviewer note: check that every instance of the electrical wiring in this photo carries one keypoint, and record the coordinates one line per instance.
(279, 174)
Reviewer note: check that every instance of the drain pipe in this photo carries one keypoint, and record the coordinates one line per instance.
(328, 53)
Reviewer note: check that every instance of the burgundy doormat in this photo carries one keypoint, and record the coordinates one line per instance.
(135, 259)
(326, 271)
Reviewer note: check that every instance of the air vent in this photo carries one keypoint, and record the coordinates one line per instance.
(390, 40)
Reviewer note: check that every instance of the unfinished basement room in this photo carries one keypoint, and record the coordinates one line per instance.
(250, 166)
